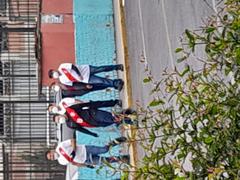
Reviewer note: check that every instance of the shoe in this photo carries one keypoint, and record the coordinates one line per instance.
(120, 67)
(125, 158)
(135, 123)
(129, 111)
(129, 121)
(119, 102)
(117, 141)
(120, 85)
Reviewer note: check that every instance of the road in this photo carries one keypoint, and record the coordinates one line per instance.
(153, 31)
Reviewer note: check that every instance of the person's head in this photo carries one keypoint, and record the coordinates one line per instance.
(53, 108)
(59, 119)
(55, 87)
(53, 74)
(51, 155)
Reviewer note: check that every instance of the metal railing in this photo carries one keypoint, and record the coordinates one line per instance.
(24, 126)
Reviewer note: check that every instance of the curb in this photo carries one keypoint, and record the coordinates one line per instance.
(127, 87)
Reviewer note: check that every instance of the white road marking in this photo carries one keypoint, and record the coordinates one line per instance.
(214, 5)
(142, 34)
(167, 34)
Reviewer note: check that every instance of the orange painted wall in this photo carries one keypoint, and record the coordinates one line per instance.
(57, 39)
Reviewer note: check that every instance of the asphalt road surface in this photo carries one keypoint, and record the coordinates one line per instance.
(153, 31)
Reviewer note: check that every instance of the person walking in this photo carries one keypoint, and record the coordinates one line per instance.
(78, 89)
(68, 102)
(80, 124)
(85, 155)
(70, 74)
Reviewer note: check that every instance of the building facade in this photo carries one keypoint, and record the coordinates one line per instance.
(26, 129)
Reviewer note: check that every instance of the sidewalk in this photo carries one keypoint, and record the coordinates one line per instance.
(125, 95)
(122, 57)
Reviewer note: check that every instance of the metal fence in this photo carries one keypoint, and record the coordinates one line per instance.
(25, 127)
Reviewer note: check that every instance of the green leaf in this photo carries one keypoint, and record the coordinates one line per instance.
(201, 88)
(191, 39)
(210, 29)
(124, 176)
(178, 50)
(166, 169)
(179, 178)
(227, 70)
(224, 32)
(185, 126)
(225, 17)
(181, 59)
(156, 102)
(189, 35)
(180, 142)
(208, 140)
(214, 110)
(238, 56)
(181, 155)
(146, 80)
(187, 69)
(231, 102)
(161, 151)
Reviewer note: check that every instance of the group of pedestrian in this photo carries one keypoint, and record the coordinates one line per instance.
(76, 80)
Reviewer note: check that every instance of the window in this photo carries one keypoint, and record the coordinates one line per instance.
(7, 69)
(5, 81)
(1, 87)
(3, 7)
(1, 81)
(1, 119)
(3, 40)
(1, 71)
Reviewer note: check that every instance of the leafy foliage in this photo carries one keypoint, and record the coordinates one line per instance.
(194, 117)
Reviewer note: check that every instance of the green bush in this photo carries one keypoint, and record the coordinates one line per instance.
(194, 117)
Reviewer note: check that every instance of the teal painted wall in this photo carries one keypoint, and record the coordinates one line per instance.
(95, 45)
(93, 7)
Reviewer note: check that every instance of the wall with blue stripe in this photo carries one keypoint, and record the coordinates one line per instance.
(95, 45)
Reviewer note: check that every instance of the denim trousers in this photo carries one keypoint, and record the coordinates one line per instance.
(102, 118)
(93, 79)
(93, 154)
(99, 69)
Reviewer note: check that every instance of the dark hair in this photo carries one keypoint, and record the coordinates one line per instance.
(50, 73)
(51, 85)
(46, 153)
(54, 116)
(49, 106)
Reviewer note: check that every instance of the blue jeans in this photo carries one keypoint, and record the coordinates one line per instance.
(103, 118)
(99, 69)
(93, 154)
(94, 158)
(93, 79)
(100, 80)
